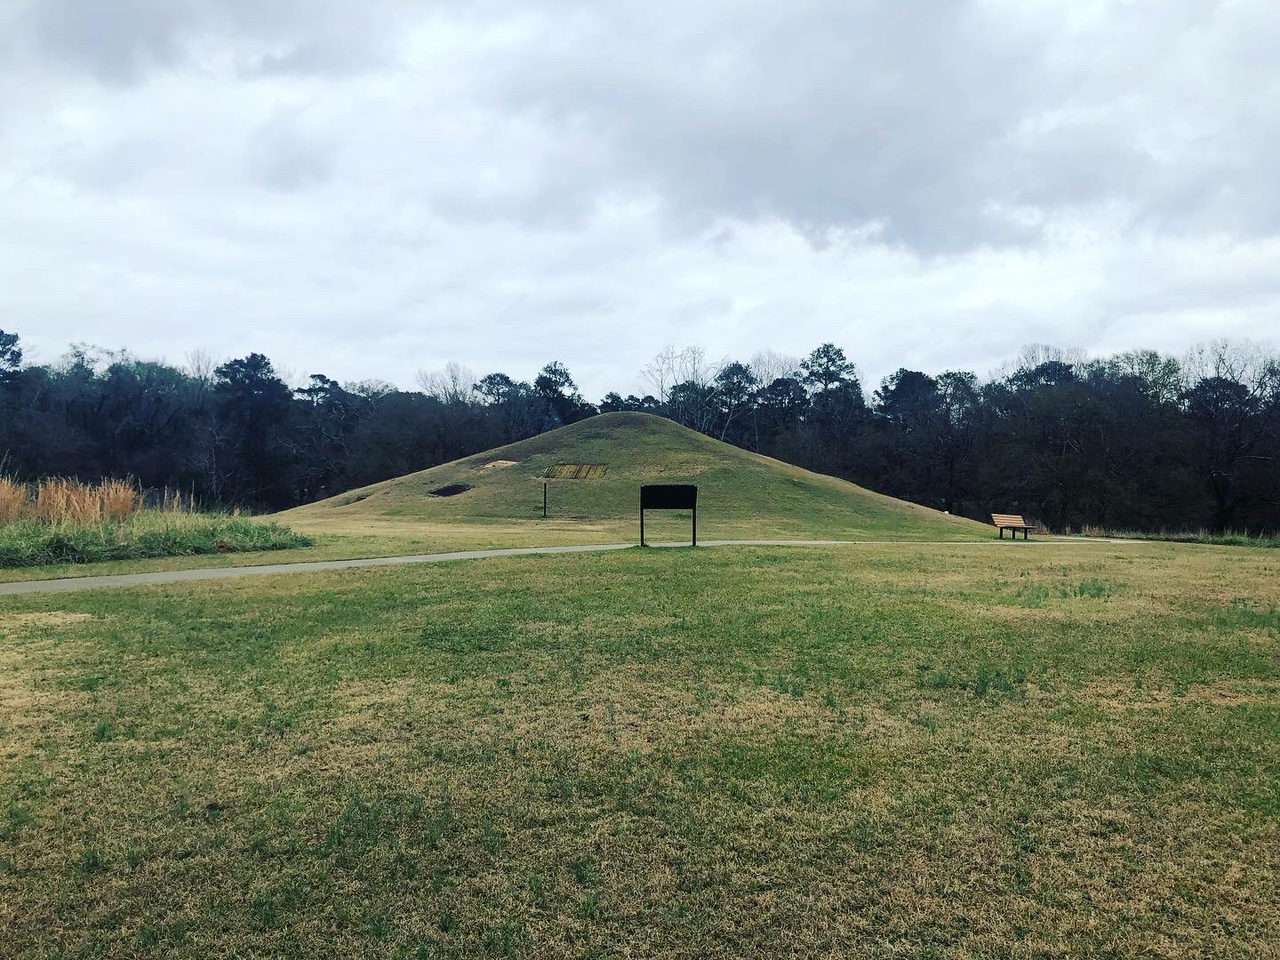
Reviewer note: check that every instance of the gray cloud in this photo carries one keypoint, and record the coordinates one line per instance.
(283, 156)
(922, 118)
(822, 116)
(380, 186)
(123, 41)
(115, 42)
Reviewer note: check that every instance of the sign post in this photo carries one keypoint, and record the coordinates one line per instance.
(669, 496)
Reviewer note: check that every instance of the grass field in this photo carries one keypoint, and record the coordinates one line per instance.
(909, 750)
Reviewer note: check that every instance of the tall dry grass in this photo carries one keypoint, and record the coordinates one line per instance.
(119, 499)
(61, 501)
(174, 501)
(13, 500)
(66, 501)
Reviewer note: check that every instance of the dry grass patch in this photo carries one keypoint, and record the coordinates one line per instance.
(59, 500)
(45, 618)
(31, 711)
(13, 499)
(1126, 695)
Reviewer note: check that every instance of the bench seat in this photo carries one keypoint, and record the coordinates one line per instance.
(1013, 523)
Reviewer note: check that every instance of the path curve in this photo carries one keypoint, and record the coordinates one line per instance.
(69, 584)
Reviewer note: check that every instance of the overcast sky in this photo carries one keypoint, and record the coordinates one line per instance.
(366, 189)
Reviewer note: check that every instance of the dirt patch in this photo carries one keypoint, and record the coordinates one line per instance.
(450, 490)
(498, 464)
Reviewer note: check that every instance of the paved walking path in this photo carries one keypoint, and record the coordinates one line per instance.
(68, 584)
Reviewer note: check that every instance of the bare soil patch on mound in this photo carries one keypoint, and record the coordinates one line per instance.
(450, 490)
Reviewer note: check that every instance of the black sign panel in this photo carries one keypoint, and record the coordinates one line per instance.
(668, 496)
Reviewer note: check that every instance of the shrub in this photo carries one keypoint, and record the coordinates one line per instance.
(145, 535)
(1228, 538)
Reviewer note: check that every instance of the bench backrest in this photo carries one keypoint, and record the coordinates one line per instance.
(1008, 520)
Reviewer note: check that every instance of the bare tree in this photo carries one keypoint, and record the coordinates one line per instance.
(200, 365)
(1035, 354)
(1247, 362)
(370, 389)
(695, 367)
(672, 367)
(769, 365)
(660, 372)
(453, 384)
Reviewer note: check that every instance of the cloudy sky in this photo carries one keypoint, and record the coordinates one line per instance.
(366, 189)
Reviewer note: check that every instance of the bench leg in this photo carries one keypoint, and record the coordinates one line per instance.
(1001, 531)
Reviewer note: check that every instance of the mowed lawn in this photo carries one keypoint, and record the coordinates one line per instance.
(968, 750)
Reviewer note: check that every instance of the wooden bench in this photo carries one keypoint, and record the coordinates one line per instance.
(1013, 523)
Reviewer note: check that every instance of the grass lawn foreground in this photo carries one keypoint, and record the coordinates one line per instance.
(906, 750)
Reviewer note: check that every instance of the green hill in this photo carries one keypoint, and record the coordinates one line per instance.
(741, 495)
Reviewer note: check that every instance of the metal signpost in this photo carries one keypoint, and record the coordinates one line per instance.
(669, 496)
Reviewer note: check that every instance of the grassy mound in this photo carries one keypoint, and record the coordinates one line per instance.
(741, 494)
(148, 534)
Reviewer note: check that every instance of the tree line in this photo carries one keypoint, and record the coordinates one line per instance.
(1137, 440)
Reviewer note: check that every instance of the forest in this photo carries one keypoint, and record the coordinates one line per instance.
(1135, 441)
